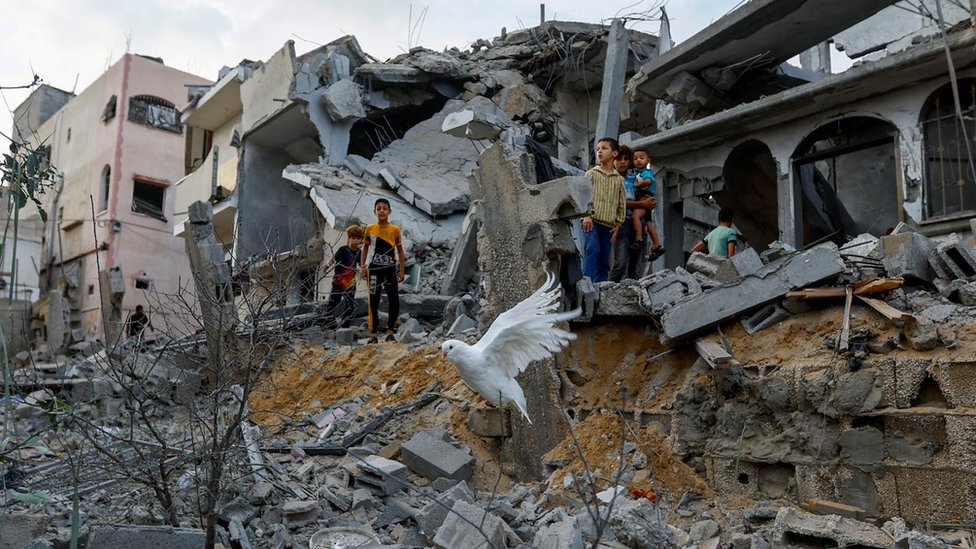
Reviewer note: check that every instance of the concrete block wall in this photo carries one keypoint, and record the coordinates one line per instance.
(908, 448)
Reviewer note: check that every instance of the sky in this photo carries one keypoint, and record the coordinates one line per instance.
(70, 43)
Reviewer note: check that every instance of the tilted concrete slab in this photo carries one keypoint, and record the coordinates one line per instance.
(343, 207)
(717, 305)
(769, 31)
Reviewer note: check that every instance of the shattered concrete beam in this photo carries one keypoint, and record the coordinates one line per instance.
(392, 74)
(723, 303)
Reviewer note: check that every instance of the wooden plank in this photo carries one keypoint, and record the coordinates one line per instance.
(845, 333)
(886, 310)
(879, 286)
(817, 293)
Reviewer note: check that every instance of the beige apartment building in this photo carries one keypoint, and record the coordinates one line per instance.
(119, 149)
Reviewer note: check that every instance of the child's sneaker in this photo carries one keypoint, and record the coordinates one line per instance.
(372, 339)
(390, 338)
(656, 253)
(636, 246)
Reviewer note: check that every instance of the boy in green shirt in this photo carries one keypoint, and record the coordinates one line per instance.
(721, 241)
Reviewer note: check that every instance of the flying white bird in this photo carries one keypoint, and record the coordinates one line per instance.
(520, 335)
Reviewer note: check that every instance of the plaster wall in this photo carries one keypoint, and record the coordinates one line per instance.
(266, 92)
(273, 215)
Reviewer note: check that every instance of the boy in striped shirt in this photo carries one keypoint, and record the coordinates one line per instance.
(607, 211)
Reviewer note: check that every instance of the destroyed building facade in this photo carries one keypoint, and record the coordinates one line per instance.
(804, 155)
(118, 148)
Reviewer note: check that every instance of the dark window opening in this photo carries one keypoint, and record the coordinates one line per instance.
(154, 112)
(307, 285)
(105, 184)
(67, 139)
(109, 112)
(143, 283)
(91, 289)
(950, 185)
(147, 198)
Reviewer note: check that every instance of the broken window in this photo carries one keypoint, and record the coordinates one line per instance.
(147, 198)
(105, 183)
(155, 112)
(143, 283)
(848, 176)
(109, 112)
(950, 182)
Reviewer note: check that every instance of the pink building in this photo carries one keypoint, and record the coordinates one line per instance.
(119, 148)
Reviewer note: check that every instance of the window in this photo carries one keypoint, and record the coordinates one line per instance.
(91, 289)
(104, 186)
(109, 112)
(147, 198)
(154, 112)
(67, 139)
(950, 186)
(143, 283)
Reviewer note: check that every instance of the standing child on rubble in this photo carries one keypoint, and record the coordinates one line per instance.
(607, 212)
(342, 299)
(721, 241)
(384, 271)
(644, 186)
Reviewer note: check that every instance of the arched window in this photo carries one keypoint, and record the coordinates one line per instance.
(155, 112)
(104, 186)
(950, 184)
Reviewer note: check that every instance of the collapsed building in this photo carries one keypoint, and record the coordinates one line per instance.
(826, 365)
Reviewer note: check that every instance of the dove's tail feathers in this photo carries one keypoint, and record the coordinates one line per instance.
(520, 404)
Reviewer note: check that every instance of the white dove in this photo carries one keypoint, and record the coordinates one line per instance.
(520, 335)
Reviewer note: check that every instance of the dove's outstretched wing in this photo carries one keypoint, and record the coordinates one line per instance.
(526, 332)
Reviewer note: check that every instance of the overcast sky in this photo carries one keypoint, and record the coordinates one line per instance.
(69, 43)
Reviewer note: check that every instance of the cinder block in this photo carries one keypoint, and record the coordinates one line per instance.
(907, 254)
(961, 263)
(764, 318)
(433, 458)
(737, 267)
(387, 475)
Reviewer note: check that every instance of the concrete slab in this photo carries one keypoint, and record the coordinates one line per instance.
(717, 305)
(794, 524)
(19, 530)
(774, 30)
(120, 536)
(341, 208)
(907, 254)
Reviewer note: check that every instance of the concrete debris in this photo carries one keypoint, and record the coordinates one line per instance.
(131, 537)
(344, 100)
(429, 455)
(459, 530)
(907, 254)
(771, 282)
(793, 524)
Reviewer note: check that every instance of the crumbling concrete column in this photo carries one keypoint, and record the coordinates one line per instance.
(211, 276)
(111, 287)
(790, 210)
(614, 81)
(55, 321)
(529, 234)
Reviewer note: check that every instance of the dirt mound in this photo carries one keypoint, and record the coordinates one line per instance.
(599, 443)
(309, 378)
